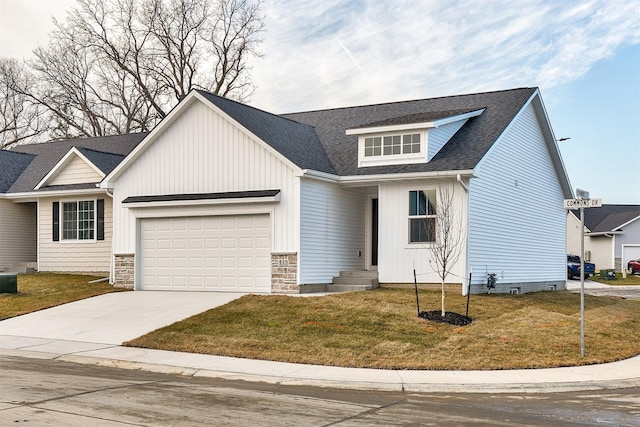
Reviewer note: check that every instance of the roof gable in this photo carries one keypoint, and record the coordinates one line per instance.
(73, 168)
(46, 156)
(296, 141)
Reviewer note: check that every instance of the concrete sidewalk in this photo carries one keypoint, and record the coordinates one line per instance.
(91, 331)
(621, 374)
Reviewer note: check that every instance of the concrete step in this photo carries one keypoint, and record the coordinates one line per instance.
(359, 274)
(356, 281)
(348, 288)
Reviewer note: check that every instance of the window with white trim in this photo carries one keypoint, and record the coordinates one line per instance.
(422, 216)
(78, 220)
(391, 145)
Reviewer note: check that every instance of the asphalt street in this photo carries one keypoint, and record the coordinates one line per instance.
(52, 392)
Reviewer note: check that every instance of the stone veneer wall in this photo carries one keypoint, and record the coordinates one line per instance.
(124, 270)
(284, 273)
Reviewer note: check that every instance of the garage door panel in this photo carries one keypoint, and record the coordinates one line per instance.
(207, 253)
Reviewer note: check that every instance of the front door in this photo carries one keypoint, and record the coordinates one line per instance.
(374, 232)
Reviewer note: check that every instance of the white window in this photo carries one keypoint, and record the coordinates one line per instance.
(391, 145)
(422, 216)
(78, 220)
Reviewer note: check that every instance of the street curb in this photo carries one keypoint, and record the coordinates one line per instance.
(364, 385)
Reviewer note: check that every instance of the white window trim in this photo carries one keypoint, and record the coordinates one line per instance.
(394, 159)
(417, 245)
(64, 241)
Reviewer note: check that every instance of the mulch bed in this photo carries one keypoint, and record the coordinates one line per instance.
(449, 317)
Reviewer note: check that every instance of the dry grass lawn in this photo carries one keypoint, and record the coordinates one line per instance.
(44, 290)
(630, 280)
(380, 329)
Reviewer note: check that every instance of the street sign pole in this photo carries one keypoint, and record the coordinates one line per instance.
(583, 201)
(582, 281)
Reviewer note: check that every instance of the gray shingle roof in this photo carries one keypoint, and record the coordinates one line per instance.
(296, 141)
(425, 117)
(106, 162)
(104, 150)
(608, 217)
(11, 167)
(463, 151)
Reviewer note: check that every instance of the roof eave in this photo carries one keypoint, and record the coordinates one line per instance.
(376, 178)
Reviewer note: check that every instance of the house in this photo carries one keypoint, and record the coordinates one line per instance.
(221, 196)
(45, 189)
(612, 235)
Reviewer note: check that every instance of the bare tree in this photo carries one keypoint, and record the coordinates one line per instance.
(449, 236)
(119, 66)
(19, 117)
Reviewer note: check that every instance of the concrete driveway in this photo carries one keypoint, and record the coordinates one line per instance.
(113, 318)
(602, 289)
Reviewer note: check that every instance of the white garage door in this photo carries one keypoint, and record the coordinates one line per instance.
(221, 253)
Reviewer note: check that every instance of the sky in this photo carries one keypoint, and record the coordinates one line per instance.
(584, 55)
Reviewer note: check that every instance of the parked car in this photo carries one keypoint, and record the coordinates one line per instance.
(633, 266)
(573, 267)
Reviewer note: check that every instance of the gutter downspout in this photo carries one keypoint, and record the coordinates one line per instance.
(112, 266)
(466, 249)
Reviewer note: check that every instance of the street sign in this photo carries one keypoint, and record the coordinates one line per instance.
(582, 203)
(582, 194)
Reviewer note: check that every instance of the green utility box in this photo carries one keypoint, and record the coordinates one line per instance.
(608, 274)
(8, 283)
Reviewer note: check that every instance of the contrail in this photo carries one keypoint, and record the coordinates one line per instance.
(351, 56)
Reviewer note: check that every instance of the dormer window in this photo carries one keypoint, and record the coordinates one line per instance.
(391, 145)
(411, 139)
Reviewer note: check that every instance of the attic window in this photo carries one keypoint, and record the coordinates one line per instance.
(391, 145)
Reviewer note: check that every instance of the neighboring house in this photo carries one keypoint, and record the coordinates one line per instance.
(221, 196)
(52, 210)
(612, 235)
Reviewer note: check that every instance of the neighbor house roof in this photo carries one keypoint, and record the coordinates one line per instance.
(609, 217)
(104, 152)
(12, 165)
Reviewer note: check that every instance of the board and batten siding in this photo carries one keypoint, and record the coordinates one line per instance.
(396, 256)
(73, 255)
(332, 230)
(439, 136)
(517, 220)
(203, 152)
(18, 228)
(76, 171)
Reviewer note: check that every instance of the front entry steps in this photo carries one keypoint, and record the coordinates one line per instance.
(350, 281)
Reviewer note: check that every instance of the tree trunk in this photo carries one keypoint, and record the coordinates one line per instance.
(442, 283)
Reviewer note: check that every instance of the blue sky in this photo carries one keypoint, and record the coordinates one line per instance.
(583, 54)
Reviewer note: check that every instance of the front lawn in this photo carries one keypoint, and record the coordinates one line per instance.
(619, 281)
(380, 329)
(44, 290)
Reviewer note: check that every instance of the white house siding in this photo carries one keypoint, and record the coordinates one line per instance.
(17, 233)
(73, 256)
(517, 221)
(439, 136)
(396, 256)
(77, 171)
(203, 152)
(332, 230)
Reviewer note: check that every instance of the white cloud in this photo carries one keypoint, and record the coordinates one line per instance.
(323, 53)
